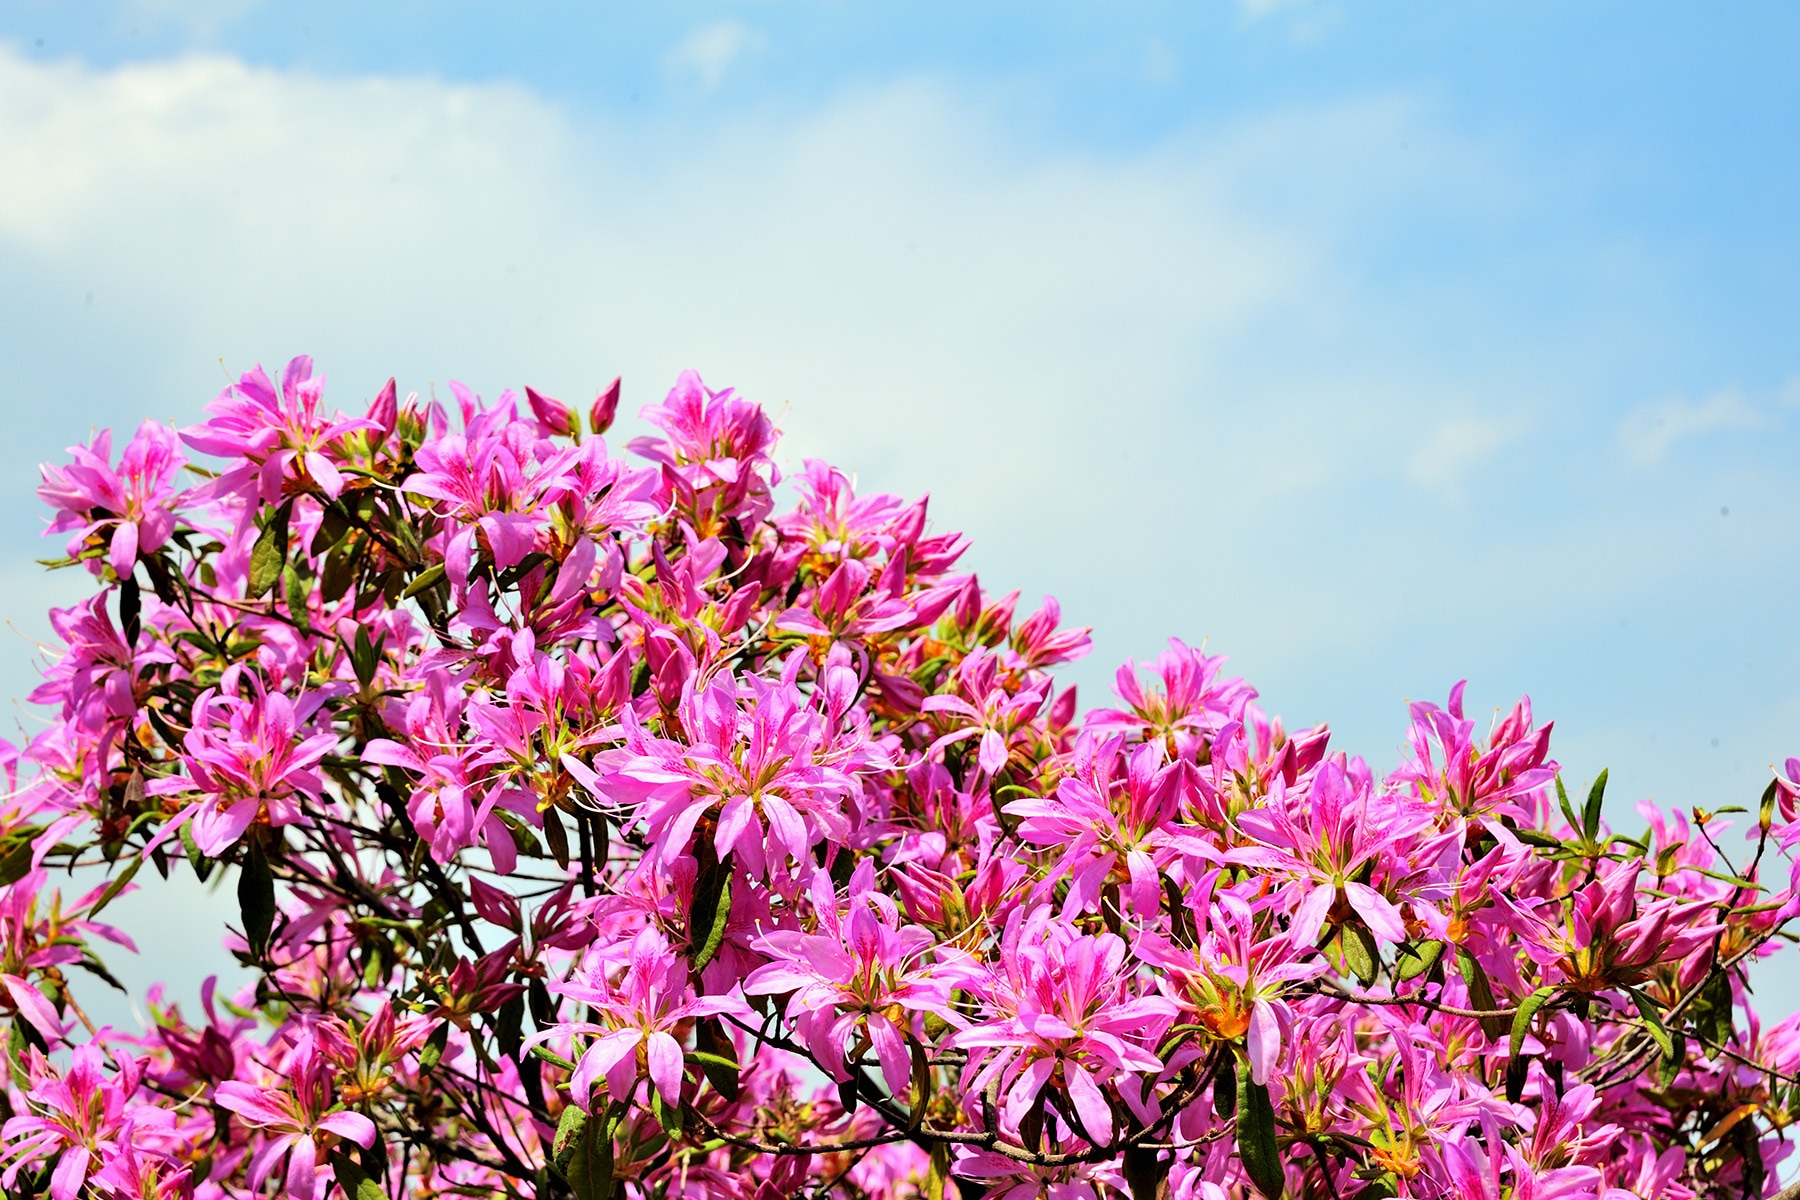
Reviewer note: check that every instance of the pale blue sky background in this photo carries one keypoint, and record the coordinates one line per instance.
(1381, 344)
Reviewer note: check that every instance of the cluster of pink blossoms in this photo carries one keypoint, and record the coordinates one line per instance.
(601, 830)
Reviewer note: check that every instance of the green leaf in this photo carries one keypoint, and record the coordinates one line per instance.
(569, 1131)
(1673, 1062)
(433, 1049)
(256, 897)
(428, 578)
(1538, 838)
(1410, 962)
(1521, 1025)
(1361, 954)
(552, 1057)
(939, 1172)
(1225, 1088)
(269, 553)
(710, 911)
(717, 1057)
(667, 1115)
(1521, 1022)
(298, 590)
(1145, 1171)
(1568, 809)
(1256, 1137)
(202, 865)
(332, 529)
(1590, 816)
(556, 837)
(1653, 1023)
(1712, 1010)
(116, 886)
(1481, 993)
(16, 860)
(352, 1179)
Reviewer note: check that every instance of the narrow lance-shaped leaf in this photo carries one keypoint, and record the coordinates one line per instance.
(1590, 816)
(1521, 1026)
(1257, 1148)
(256, 897)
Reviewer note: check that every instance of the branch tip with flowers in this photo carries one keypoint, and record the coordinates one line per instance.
(602, 826)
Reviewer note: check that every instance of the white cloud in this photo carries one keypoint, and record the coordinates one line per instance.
(710, 50)
(202, 19)
(1456, 448)
(1648, 433)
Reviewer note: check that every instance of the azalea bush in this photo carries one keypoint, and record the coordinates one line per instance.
(617, 826)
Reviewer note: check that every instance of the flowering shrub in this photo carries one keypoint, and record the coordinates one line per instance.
(599, 830)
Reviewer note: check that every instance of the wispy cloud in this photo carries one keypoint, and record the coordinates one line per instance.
(1648, 433)
(709, 51)
(1456, 448)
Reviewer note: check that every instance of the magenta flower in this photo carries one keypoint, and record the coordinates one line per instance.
(1231, 982)
(1111, 820)
(249, 761)
(35, 940)
(858, 979)
(638, 1007)
(1473, 780)
(1604, 936)
(844, 607)
(1320, 837)
(1062, 1012)
(834, 522)
(83, 1118)
(986, 710)
(1189, 708)
(135, 501)
(299, 1119)
(1037, 642)
(279, 437)
(750, 762)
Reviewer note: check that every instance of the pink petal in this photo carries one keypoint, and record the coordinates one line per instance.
(70, 1174)
(600, 1059)
(123, 552)
(1095, 1112)
(1309, 918)
(1383, 918)
(1264, 1041)
(890, 1048)
(352, 1126)
(993, 752)
(302, 1172)
(33, 1007)
(664, 1058)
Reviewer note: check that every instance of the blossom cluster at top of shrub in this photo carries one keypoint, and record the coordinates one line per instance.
(598, 829)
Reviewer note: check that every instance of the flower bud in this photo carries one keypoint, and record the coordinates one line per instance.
(606, 407)
(554, 418)
(385, 411)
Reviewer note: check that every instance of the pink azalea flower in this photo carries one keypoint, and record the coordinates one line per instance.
(1189, 708)
(83, 1118)
(135, 501)
(278, 437)
(1111, 819)
(1320, 837)
(637, 1008)
(858, 979)
(299, 1119)
(1063, 1012)
(247, 759)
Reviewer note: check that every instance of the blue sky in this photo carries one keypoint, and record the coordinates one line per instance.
(1378, 345)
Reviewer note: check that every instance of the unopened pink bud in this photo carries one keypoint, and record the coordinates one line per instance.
(385, 411)
(606, 407)
(553, 416)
